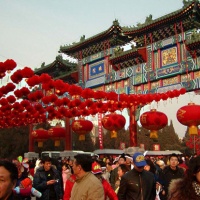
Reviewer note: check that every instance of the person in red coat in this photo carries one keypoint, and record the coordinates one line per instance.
(108, 191)
(68, 187)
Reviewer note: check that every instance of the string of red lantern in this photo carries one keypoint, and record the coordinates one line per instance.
(45, 101)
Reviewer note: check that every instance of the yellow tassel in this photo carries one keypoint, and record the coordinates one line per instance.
(81, 137)
(113, 134)
(40, 144)
(57, 143)
(193, 130)
(154, 134)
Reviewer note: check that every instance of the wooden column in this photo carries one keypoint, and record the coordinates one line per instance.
(133, 127)
(31, 142)
(68, 136)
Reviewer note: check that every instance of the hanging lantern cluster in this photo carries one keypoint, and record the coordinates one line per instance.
(190, 116)
(82, 127)
(113, 122)
(43, 100)
(153, 120)
(55, 133)
(7, 66)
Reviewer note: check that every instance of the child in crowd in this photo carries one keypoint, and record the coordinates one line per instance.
(66, 172)
(25, 188)
(108, 191)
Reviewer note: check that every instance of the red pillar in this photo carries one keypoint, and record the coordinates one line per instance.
(31, 142)
(68, 136)
(133, 127)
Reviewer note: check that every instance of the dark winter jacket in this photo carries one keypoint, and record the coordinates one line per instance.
(40, 183)
(113, 177)
(166, 176)
(136, 185)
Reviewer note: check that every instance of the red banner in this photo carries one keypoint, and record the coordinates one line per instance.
(100, 131)
(156, 147)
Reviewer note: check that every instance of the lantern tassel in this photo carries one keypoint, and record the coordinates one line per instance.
(113, 134)
(81, 137)
(193, 130)
(57, 143)
(154, 134)
(40, 144)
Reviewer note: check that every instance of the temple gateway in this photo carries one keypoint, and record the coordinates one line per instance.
(154, 56)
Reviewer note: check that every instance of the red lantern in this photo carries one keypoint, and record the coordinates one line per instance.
(153, 121)
(190, 116)
(82, 127)
(113, 122)
(56, 133)
(40, 135)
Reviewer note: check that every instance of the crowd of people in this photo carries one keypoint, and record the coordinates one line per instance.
(90, 178)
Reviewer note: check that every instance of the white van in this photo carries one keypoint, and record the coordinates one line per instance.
(71, 154)
(31, 155)
(162, 153)
(51, 154)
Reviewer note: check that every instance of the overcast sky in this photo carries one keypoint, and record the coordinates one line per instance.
(32, 31)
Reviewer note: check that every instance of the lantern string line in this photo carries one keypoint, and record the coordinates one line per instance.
(191, 96)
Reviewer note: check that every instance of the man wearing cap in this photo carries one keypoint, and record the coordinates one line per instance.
(137, 184)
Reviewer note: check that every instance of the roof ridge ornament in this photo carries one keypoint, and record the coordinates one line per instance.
(82, 39)
(116, 22)
(188, 2)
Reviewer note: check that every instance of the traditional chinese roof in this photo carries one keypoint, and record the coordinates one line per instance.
(60, 69)
(186, 18)
(193, 45)
(179, 21)
(111, 37)
(122, 59)
(70, 77)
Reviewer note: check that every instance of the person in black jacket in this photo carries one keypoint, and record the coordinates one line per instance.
(47, 180)
(170, 173)
(137, 184)
(187, 188)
